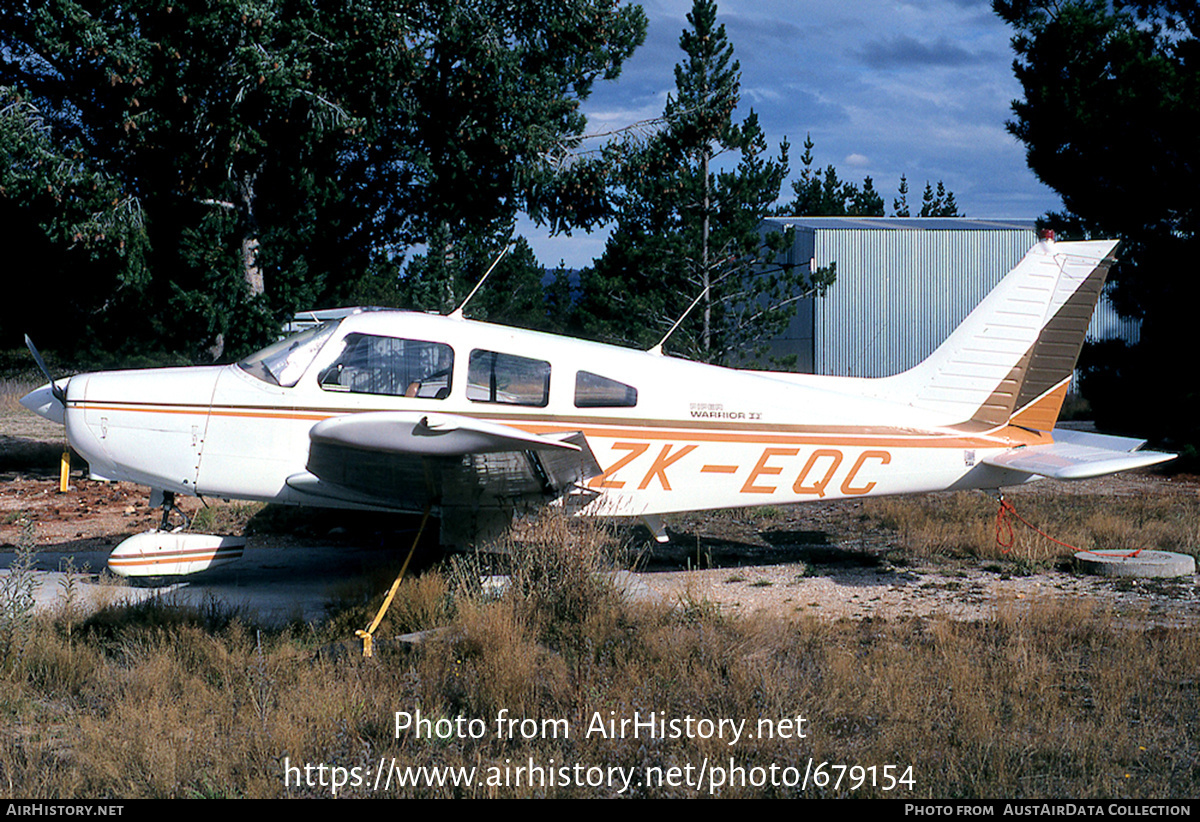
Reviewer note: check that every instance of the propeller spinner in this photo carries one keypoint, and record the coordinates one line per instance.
(49, 401)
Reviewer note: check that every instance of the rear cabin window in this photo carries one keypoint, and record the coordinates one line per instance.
(594, 391)
(388, 365)
(507, 379)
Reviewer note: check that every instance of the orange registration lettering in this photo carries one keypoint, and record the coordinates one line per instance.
(664, 459)
(884, 458)
(635, 449)
(818, 487)
(761, 468)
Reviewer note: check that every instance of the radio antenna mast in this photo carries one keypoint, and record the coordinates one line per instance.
(458, 312)
(657, 350)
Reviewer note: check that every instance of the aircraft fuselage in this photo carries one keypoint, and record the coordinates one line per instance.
(673, 436)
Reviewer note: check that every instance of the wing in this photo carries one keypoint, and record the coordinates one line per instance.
(406, 460)
(1076, 455)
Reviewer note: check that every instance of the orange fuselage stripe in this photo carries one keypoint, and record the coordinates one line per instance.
(874, 436)
(175, 556)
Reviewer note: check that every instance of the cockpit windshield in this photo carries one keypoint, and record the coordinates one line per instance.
(286, 361)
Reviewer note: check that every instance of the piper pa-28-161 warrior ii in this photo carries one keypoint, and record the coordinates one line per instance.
(401, 411)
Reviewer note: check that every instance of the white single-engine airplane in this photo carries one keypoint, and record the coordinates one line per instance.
(392, 410)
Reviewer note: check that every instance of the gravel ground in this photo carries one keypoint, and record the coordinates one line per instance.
(888, 592)
(849, 570)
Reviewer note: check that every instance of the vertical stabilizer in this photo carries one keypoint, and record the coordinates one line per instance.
(1011, 359)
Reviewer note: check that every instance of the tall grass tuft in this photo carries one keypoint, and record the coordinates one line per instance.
(561, 570)
(18, 590)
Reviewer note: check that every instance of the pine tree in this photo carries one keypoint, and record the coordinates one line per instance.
(900, 204)
(825, 194)
(276, 151)
(687, 229)
(1111, 96)
(865, 201)
(938, 204)
(927, 201)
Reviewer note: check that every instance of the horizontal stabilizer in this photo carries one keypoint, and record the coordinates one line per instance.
(432, 435)
(1076, 455)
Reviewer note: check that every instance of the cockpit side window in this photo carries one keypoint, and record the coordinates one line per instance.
(507, 379)
(389, 365)
(284, 362)
(594, 391)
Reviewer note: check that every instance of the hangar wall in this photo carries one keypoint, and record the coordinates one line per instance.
(903, 284)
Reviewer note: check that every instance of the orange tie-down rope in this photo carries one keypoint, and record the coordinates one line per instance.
(1003, 525)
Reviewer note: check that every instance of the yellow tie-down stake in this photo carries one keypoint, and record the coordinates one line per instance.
(367, 636)
(64, 471)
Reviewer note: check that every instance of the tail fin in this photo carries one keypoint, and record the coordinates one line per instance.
(1011, 359)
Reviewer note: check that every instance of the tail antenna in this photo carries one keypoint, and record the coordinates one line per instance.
(657, 350)
(458, 312)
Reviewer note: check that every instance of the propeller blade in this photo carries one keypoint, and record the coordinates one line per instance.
(57, 391)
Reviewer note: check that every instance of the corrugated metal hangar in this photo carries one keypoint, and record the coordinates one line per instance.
(903, 284)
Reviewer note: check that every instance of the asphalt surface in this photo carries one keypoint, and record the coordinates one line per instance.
(269, 584)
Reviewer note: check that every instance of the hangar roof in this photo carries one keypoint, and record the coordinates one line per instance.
(905, 223)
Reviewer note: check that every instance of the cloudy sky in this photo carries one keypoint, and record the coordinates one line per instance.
(921, 88)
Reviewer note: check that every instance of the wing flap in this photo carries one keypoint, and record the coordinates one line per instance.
(1076, 455)
(566, 468)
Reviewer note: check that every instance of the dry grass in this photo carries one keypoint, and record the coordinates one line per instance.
(963, 524)
(11, 392)
(18, 421)
(226, 517)
(1046, 699)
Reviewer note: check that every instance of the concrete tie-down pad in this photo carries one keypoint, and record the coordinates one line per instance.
(1120, 563)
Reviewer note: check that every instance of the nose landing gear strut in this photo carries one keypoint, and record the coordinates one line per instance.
(166, 501)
